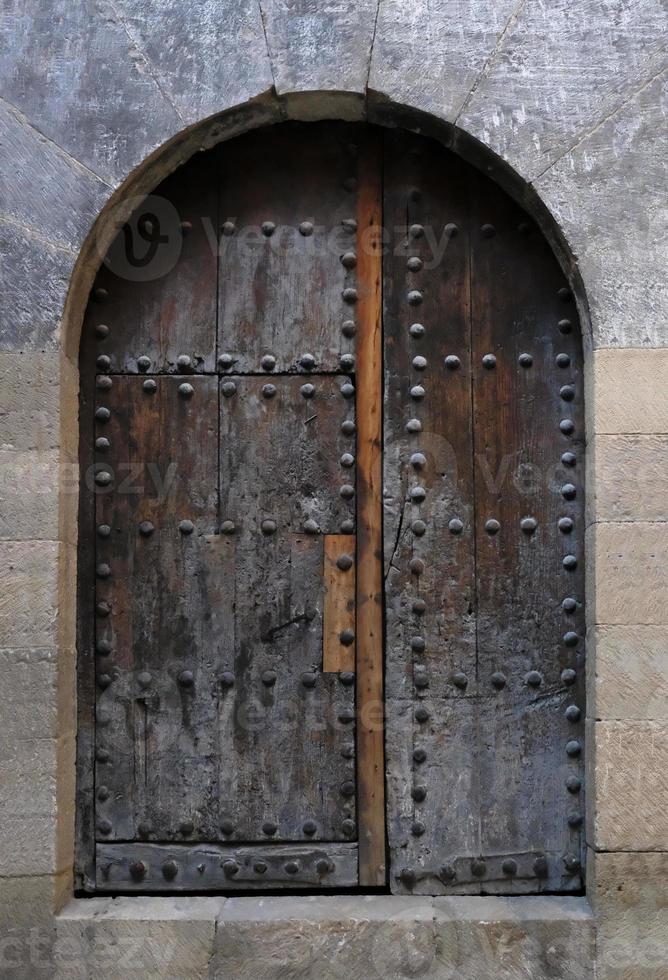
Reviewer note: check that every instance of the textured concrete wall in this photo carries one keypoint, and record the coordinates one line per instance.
(99, 100)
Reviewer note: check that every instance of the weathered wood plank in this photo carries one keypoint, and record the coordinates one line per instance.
(211, 867)
(338, 627)
(370, 710)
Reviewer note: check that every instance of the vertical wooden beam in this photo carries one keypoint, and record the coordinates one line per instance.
(370, 712)
(338, 615)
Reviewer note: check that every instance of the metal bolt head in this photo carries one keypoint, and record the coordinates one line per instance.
(567, 426)
(348, 827)
(144, 678)
(448, 873)
(323, 866)
(419, 793)
(102, 444)
(150, 386)
(567, 392)
(225, 361)
(228, 527)
(573, 748)
(307, 390)
(103, 648)
(417, 392)
(102, 414)
(103, 530)
(419, 606)
(529, 524)
(346, 638)
(416, 330)
(104, 826)
(268, 228)
(414, 263)
(227, 678)
(100, 295)
(347, 678)
(346, 716)
(347, 390)
(347, 363)
(563, 360)
(460, 680)
(499, 680)
(103, 362)
(186, 390)
(228, 389)
(230, 868)
(414, 297)
(104, 680)
(309, 827)
(492, 526)
(347, 527)
(349, 260)
(103, 609)
(571, 639)
(183, 362)
(419, 755)
(347, 788)
(569, 459)
(269, 828)
(103, 478)
(452, 362)
(348, 427)
(349, 295)
(347, 460)
(348, 328)
(525, 360)
(568, 491)
(416, 231)
(417, 494)
(143, 362)
(419, 363)
(269, 391)
(534, 678)
(170, 869)
(573, 713)
(573, 784)
(268, 526)
(572, 864)
(101, 331)
(564, 294)
(455, 526)
(478, 868)
(268, 362)
(421, 714)
(417, 828)
(138, 870)
(570, 563)
(565, 326)
(565, 525)
(311, 527)
(414, 425)
(488, 231)
(344, 562)
(309, 679)
(186, 527)
(104, 383)
(186, 678)
(416, 566)
(408, 877)
(418, 644)
(103, 570)
(306, 228)
(489, 361)
(418, 461)
(509, 867)
(418, 528)
(568, 677)
(269, 678)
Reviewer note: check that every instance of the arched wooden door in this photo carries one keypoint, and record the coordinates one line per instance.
(331, 586)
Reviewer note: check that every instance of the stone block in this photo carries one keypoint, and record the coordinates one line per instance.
(509, 938)
(326, 938)
(155, 938)
(33, 402)
(630, 392)
(628, 673)
(29, 593)
(31, 703)
(608, 196)
(315, 47)
(30, 494)
(27, 924)
(533, 101)
(627, 579)
(627, 780)
(415, 42)
(629, 895)
(627, 478)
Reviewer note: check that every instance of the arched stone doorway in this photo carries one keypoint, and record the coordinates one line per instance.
(269, 594)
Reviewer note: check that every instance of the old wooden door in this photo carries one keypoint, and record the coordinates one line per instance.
(331, 521)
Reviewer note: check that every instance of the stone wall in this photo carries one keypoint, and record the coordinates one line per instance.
(99, 101)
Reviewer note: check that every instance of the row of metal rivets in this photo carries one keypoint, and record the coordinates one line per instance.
(498, 680)
(170, 869)
(269, 827)
(489, 361)
(478, 867)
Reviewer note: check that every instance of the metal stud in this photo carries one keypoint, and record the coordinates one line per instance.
(570, 563)
(349, 295)
(344, 562)
(225, 361)
(102, 444)
(103, 478)
(309, 679)
(101, 331)
(144, 678)
(170, 869)
(572, 864)
(227, 678)
(346, 716)
(349, 260)
(269, 390)
(572, 713)
(347, 678)
(347, 390)
(525, 360)
(447, 873)
(509, 867)
(103, 530)
(529, 524)
(104, 383)
(416, 231)
(183, 362)
(568, 491)
(455, 526)
(567, 392)
(104, 680)
(419, 755)
(100, 295)
(348, 428)
(416, 566)
(186, 527)
(268, 228)
(419, 607)
(347, 460)
(540, 867)
(418, 644)
(569, 459)
(348, 827)
(571, 639)
(268, 362)
(573, 784)
(228, 389)
(227, 827)
(186, 678)
(103, 362)
(420, 679)
(488, 231)
(565, 326)
(573, 748)
(460, 680)
(311, 527)
(564, 294)
(347, 363)
(348, 328)
(103, 609)
(102, 414)
(268, 526)
(228, 228)
(150, 386)
(498, 680)
(419, 363)
(418, 528)
(452, 362)
(230, 868)
(347, 526)
(103, 793)
(568, 677)
(306, 228)
(347, 491)
(421, 714)
(104, 826)
(269, 828)
(478, 868)
(349, 224)
(346, 637)
(489, 361)
(103, 570)
(569, 604)
(102, 755)
(143, 362)
(419, 793)
(567, 426)
(565, 525)
(414, 425)
(563, 360)
(186, 390)
(347, 788)
(534, 678)
(228, 527)
(307, 390)
(103, 648)
(417, 494)
(492, 526)
(414, 263)
(418, 828)
(414, 297)
(416, 330)
(309, 827)
(418, 461)
(417, 392)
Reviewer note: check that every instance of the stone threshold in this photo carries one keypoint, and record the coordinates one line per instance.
(327, 938)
